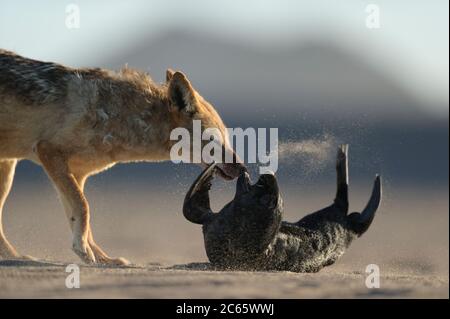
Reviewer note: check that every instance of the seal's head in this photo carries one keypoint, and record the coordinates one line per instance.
(245, 227)
(264, 195)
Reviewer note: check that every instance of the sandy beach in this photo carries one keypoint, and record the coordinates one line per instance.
(408, 241)
(153, 281)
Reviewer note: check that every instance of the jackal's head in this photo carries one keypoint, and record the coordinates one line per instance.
(187, 106)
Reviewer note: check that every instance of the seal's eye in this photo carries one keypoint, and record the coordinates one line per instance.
(268, 200)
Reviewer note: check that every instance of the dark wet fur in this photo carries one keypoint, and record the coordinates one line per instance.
(248, 235)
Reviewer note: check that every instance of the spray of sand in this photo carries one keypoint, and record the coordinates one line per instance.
(312, 155)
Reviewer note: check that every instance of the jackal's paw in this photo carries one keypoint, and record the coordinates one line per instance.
(82, 249)
(9, 252)
(17, 257)
(113, 261)
(27, 257)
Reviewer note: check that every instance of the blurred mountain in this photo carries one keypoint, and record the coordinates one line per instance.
(314, 92)
(317, 79)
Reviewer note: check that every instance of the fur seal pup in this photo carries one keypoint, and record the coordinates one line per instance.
(249, 234)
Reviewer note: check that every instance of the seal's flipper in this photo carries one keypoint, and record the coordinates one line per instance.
(368, 214)
(196, 206)
(339, 209)
(359, 223)
(341, 200)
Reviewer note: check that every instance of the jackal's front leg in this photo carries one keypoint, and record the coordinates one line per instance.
(100, 256)
(76, 206)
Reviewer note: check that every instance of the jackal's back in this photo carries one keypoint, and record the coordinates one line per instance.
(31, 81)
(36, 82)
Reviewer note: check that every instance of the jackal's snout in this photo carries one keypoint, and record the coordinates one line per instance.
(231, 170)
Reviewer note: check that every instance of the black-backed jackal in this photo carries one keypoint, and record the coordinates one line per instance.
(79, 122)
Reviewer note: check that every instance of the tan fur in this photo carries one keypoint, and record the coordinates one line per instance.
(78, 122)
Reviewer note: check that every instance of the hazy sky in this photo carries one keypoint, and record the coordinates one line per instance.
(411, 44)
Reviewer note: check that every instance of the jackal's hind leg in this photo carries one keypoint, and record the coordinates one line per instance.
(7, 169)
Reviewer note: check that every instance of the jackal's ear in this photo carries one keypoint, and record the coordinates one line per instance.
(169, 75)
(181, 93)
